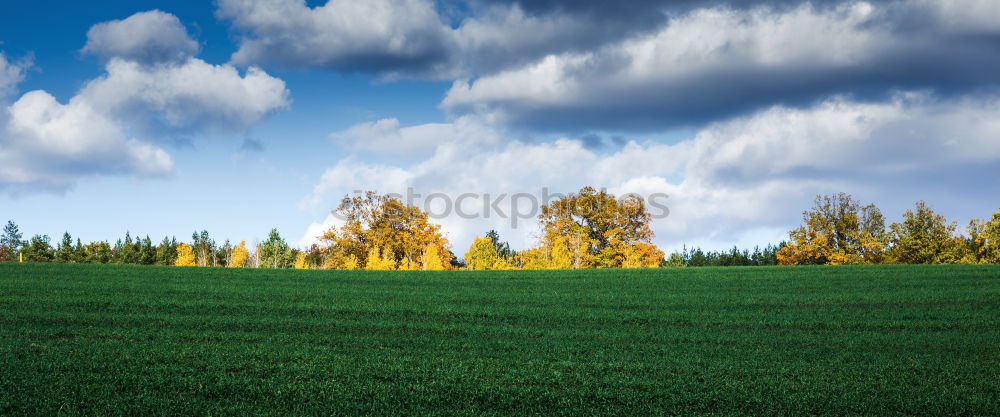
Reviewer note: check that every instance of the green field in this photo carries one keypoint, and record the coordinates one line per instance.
(110, 340)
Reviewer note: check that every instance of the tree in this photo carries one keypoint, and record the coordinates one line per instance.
(675, 260)
(838, 230)
(185, 256)
(399, 232)
(379, 260)
(166, 252)
(991, 247)
(275, 253)
(483, 256)
(97, 253)
(594, 229)
(431, 259)
(38, 249)
(240, 255)
(300, 261)
(925, 237)
(64, 251)
(10, 242)
(204, 248)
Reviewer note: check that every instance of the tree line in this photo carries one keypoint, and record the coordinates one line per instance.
(588, 229)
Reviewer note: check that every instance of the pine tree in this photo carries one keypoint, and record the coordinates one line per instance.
(10, 242)
(64, 252)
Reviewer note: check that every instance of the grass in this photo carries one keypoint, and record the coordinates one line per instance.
(131, 340)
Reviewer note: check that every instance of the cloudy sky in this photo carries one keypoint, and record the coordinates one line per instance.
(238, 116)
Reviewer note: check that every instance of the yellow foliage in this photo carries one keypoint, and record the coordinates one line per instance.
(185, 255)
(351, 263)
(300, 261)
(379, 260)
(400, 233)
(482, 256)
(240, 255)
(837, 230)
(432, 259)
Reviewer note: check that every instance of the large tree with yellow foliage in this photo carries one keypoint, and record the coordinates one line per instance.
(837, 230)
(382, 224)
(593, 229)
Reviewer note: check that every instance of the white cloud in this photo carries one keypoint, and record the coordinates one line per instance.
(391, 37)
(11, 74)
(387, 136)
(146, 37)
(48, 145)
(732, 182)
(152, 90)
(191, 95)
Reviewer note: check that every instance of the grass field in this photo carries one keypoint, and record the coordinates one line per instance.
(109, 340)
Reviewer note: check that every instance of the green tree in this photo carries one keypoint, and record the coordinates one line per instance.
(38, 249)
(925, 237)
(10, 242)
(166, 252)
(275, 253)
(64, 252)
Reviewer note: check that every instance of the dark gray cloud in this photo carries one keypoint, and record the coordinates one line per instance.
(718, 63)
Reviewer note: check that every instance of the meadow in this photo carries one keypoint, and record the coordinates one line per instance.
(144, 340)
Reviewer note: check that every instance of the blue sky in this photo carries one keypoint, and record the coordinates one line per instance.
(237, 116)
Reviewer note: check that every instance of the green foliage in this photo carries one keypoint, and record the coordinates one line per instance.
(38, 249)
(766, 256)
(852, 340)
(925, 237)
(275, 253)
(10, 242)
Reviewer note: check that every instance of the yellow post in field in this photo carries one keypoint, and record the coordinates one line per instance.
(20, 258)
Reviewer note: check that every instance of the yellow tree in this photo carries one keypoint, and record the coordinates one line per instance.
(483, 256)
(240, 255)
(837, 230)
(432, 259)
(379, 260)
(300, 261)
(593, 229)
(185, 255)
(376, 221)
(925, 237)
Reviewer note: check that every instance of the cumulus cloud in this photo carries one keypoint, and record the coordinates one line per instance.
(152, 90)
(146, 37)
(185, 97)
(48, 145)
(11, 73)
(715, 63)
(743, 180)
(387, 136)
(392, 38)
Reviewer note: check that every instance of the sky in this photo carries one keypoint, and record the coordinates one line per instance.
(237, 116)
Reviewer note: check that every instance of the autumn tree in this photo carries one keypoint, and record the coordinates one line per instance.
(400, 233)
(837, 230)
(185, 256)
(594, 229)
(483, 256)
(239, 256)
(925, 237)
(379, 260)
